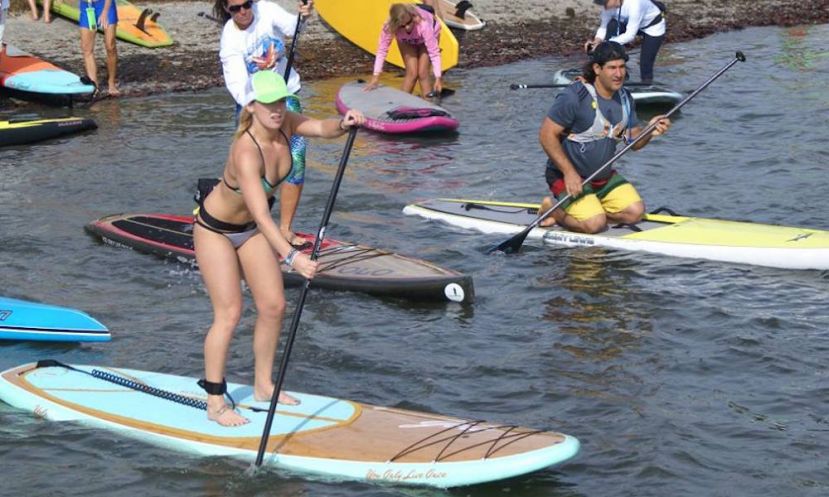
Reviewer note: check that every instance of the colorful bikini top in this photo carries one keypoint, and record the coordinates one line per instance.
(266, 185)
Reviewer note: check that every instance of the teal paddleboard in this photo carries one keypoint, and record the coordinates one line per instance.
(322, 435)
(24, 320)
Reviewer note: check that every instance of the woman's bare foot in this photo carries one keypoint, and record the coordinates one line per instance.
(547, 221)
(226, 416)
(284, 398)
(291, 237)
(47, 19)
(296, 241)
(113, 91)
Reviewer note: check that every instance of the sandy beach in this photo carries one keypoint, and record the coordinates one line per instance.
(535, 28)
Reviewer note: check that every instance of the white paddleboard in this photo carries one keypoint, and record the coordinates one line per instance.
(654, 94)
(680, 236)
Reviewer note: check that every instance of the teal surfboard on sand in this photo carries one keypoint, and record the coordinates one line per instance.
(23, 320)
(322, 435)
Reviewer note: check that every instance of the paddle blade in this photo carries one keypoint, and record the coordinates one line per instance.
(512, 245)
(445, 92)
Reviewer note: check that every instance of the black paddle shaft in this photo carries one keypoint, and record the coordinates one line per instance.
(299, 24)
(514, 244)
(283, 365)
(522, 86)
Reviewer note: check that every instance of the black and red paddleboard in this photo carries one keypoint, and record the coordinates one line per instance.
(343, 265)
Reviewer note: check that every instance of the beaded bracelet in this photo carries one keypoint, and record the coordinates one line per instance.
(291, 257)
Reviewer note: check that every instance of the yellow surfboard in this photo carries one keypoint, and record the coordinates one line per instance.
(360, 22)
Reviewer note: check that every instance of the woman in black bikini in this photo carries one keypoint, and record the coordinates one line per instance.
(235, 237)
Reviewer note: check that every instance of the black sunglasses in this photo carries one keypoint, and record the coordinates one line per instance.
(236, 8)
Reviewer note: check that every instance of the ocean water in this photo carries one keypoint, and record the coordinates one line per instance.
(680, 377)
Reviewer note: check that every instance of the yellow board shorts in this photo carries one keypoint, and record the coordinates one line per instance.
(613, 195)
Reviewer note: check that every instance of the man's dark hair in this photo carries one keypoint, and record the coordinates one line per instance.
(602, 54)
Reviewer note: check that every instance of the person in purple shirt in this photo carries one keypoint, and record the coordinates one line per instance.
(418, 36)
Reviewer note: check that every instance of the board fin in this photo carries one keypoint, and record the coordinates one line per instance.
(142, 19)
(461, 8)
(154, 17)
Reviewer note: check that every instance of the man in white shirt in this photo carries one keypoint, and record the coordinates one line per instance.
(253, 40)
(4, 12)
(623, 20)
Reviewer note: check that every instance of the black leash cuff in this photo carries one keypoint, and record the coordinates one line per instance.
(217, 389)
(213, 388)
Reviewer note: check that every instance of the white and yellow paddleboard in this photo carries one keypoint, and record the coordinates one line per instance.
(360, 22)
(712, 239)
(322, 435)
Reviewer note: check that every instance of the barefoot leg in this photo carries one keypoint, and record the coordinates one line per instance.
(549, 220)
(261, 269)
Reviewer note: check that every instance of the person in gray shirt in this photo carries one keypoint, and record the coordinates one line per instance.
(580, 133)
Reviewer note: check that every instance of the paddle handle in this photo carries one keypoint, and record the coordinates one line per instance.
(283, 365)
(290, 63)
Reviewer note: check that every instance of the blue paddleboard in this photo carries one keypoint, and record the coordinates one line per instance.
(23, 320)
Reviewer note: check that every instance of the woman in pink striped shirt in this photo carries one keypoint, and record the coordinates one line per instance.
(418, 36)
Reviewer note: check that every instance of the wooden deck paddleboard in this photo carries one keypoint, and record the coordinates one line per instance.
(322, 435)
(360, 22)
(343, 265)
(135, 25)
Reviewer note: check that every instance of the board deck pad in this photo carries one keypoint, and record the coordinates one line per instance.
(655, 94)
(681, 236)
(343, 265)
(391, 110)
(135, 25)
(322, 435)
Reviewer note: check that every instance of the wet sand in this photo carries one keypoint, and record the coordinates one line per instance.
(536, 28)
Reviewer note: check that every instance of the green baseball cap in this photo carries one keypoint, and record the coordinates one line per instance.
(266, 87)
